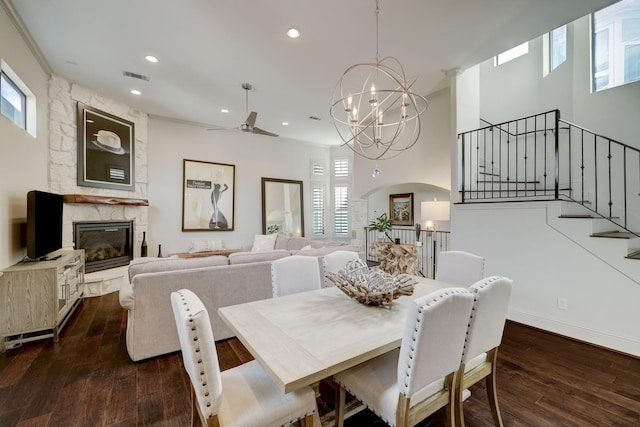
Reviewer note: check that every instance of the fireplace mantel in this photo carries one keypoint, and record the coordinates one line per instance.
(104, 200)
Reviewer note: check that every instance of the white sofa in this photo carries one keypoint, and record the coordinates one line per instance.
(218, 281)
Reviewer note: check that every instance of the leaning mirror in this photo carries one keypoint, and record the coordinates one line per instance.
(282, 210)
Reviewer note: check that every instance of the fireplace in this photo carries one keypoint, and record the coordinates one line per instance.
(107, 244)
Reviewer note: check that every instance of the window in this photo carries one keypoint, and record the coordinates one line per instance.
(17, 102)
(510, 54)
(13, 102)
(341, 181)
(558, 46)
(616, 45)
(341, 193)
(318, 200)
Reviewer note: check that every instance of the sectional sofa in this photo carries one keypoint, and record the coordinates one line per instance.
(218, 280)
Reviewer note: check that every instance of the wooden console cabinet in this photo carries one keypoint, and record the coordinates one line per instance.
(37, 298)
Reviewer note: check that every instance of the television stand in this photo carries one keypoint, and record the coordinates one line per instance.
(39, 297)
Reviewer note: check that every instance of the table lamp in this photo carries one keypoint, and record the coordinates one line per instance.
(434, 211)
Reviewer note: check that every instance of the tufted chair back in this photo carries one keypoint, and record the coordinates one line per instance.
(433, 339)
(198, 351)
(491, 300)
(334, 262)
(293, 274)
(459, 268)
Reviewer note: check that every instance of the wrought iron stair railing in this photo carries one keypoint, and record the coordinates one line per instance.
(543, 157)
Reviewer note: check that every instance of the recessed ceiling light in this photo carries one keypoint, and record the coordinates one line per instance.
(151, 58)
(224, 110)
(136, 92)
(293, 33)
(285, 123)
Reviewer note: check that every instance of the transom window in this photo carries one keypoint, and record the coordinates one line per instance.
(616, 45)
(558, 46)
(13, 103)
(511, 54)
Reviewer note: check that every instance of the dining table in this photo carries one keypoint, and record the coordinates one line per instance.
(303, 338)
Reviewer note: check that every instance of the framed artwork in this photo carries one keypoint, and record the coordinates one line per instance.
(208, 194)
(401, 209)
(282, 207)
(105, 150)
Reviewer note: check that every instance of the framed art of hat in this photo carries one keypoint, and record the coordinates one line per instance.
(105, 150)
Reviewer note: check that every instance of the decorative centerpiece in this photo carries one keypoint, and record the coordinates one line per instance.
(371, 287)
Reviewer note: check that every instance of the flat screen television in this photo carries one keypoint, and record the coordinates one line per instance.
(44, 224)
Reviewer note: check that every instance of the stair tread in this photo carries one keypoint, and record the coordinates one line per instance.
(635, 255)
(489, 174)
(576, 216)
(615, 234)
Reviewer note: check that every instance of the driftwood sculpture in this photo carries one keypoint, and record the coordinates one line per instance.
(371, 287)
(395, 258)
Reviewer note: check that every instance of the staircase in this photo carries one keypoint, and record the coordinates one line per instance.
(595, 179)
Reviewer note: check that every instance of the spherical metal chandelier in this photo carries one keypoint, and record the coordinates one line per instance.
(374, 110)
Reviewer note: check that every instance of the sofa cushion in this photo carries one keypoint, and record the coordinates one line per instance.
(153, 265)
(264, 242)
(281, 242)
(326, 250)
(245, 257)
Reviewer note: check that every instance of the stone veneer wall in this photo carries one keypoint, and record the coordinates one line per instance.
(63, 157)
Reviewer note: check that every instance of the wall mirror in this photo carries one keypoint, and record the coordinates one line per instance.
(282, 207)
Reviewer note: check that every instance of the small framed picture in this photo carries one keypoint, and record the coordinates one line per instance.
(105, 150)
(401, 209)
(208, 196)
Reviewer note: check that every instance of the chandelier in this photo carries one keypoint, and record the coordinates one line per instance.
(374, 110)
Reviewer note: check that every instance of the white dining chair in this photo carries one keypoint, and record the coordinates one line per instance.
(459, 268)
(405, 385)
(293, 274)
(334, 262)
(484, 335)
(244, 396)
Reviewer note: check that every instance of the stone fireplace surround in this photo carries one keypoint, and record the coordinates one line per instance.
(88, 203)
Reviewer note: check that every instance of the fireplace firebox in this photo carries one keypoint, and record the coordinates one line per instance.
(107, 244)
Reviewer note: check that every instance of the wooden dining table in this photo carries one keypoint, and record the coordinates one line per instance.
(303, 338)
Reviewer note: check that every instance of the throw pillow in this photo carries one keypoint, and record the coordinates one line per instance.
(264, 242)
(206, 246)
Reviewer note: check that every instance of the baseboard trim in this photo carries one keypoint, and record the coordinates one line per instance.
(606, 340)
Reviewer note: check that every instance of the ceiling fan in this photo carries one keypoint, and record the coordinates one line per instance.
(249, 124)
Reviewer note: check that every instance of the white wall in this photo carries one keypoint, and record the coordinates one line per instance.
(426, 162)
(24, 159)
(517, 242)
(254, 157)
(518, 89)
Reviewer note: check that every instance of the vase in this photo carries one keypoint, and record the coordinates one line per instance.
(159, 251)
(143, 246)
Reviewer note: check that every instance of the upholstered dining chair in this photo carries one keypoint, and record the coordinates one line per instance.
(293, 274)
(408, 384)
(250, 397)
(484, 335)
(334, 262)
(459, 268)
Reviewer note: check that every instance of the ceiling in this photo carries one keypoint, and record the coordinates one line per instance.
(208, 48)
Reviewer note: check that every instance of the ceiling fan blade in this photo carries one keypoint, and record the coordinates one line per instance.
(251, 120)
(262, 132)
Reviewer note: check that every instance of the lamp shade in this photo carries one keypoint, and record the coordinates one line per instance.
(434, 211)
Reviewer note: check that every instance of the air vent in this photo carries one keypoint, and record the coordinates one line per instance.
(136, 76)
(314, 118)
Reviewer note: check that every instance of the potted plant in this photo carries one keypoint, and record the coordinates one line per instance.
(382, 224)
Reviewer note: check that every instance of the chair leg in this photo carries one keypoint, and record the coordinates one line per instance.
(450, 410)
(309, 421)
(341, 396)
(458, 408)
(492, 391)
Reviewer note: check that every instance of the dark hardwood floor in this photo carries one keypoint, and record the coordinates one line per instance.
(87, 379)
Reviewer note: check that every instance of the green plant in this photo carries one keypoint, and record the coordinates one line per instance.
(273, 229)
(381, 224)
